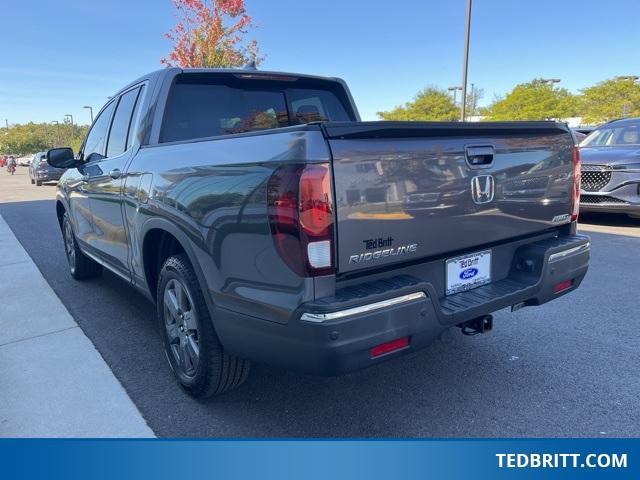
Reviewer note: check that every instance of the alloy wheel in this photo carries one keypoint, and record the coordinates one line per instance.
(182, 327)
(69, 244)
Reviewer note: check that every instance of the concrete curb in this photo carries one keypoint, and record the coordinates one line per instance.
(53, 382)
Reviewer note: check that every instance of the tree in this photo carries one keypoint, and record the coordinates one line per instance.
(609, 99)
(28, 138)
(536, 100)
(431, 103)
(25, 139)
(210, 33)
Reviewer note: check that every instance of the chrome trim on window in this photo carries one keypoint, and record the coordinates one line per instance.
(324, 317)
(568, 251)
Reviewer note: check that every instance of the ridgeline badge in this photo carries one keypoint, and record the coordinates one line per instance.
(388, 252)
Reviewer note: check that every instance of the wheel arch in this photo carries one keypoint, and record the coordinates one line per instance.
(159, 240)
(61, 209)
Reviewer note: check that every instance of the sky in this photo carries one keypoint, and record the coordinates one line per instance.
(57, 56)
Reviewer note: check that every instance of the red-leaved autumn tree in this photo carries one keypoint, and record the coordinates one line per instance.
(211, 33)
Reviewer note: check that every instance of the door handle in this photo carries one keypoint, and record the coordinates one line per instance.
(115, 173)
(480, 156)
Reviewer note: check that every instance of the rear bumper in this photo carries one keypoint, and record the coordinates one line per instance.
(336, 334)
(48, 176)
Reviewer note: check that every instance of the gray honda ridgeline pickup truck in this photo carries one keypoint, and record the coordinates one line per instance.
(269, 224)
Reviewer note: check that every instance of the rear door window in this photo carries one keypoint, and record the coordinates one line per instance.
(134, 119)
(121, 121)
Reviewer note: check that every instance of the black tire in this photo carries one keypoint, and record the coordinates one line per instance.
(81, 267)
(38, 183)
(215, 371)
(32, 181)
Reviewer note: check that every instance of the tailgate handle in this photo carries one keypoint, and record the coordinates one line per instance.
(480, 156)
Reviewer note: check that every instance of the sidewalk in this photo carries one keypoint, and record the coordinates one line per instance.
(53, 382)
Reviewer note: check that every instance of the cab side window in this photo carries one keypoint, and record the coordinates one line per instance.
(94, 145)
(120, 126)
(134, 119)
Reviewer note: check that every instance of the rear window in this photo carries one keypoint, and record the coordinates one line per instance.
(207, 105)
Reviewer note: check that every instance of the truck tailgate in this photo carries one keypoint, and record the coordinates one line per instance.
(408, 190)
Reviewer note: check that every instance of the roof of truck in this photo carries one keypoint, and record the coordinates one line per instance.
(255, 72)
(247, 72)
(235, 71)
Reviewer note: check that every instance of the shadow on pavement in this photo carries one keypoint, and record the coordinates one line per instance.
(612, 223)
(609, 219)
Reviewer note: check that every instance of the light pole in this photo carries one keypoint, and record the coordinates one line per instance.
(454, 89)
(633, 78)
(6, 122)
(57, 123)
(472, 99)
(465, 66)
(90, 111)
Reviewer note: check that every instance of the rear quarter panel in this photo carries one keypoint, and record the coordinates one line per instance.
(215, 192)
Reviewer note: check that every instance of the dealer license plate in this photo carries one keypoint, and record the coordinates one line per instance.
(468, 271)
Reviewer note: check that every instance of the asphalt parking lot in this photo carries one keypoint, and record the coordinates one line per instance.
(568, 369)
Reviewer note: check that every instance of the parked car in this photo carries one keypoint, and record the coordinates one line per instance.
(268, 223)
(34, 164)
(40, 171)
(23, 161)
(611, 168)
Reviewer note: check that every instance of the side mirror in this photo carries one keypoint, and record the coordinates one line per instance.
(61, 157)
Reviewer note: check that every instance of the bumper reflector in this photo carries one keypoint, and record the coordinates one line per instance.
(392, 346)
(562, 286)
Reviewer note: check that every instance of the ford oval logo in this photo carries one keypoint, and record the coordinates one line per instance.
(468, 273)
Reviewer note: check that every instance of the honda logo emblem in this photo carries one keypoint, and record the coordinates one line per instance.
(482, 189)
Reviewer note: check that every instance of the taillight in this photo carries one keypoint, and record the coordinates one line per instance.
(576, 184)
(301, 215)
